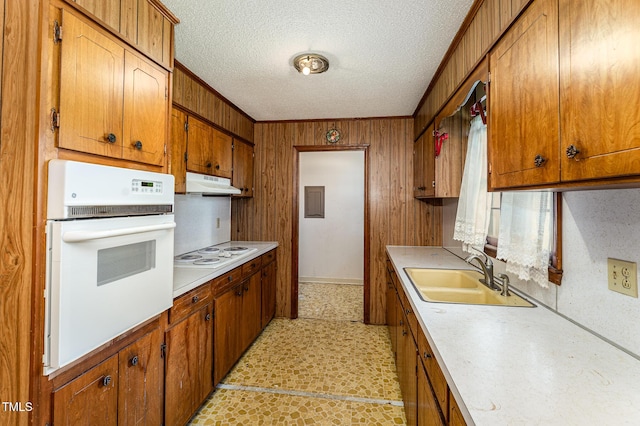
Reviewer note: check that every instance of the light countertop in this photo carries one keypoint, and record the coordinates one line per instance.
(511, 365)
(186, 279)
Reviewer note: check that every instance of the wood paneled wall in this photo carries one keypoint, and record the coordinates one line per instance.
(17, 152)
(395, 216)
(486, 22)
(193, 94)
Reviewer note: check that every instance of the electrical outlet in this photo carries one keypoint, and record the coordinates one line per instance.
(218, 222)
(623, 277)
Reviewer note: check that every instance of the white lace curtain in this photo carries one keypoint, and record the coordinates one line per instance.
(525, 236)
(472, 217)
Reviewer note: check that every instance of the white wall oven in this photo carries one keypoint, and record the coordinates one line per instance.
(109, 255)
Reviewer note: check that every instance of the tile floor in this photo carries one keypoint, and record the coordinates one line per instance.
(325, 368)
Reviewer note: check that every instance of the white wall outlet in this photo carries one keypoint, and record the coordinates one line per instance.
(623, 277)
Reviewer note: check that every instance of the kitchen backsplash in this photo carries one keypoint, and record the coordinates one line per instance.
(596, 225)
(197, 221)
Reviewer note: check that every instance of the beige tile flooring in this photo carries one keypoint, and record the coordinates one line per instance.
(325, 368)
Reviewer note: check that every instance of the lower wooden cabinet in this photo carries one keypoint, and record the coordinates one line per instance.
(125, 389)
(189, 365)
(269, 272)
(90, 399)
(425, 392)
(428, 409)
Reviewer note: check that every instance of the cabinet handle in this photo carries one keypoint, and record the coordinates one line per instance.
(230, 278)
(539, 160)
(208, 165)
(217, 166)
(427, 355)
(433, 183)
(572, 151)
(138, 145)
(111, 138)
(246, 288)
(246, 190)
(408, 311)
(207, 317)
(401, 322)
(404, 332)
(134, 360)
(239, 292)
(194, 299)
(106, 381)
(422, 188)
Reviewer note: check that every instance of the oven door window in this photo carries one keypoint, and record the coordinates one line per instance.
(116, 263)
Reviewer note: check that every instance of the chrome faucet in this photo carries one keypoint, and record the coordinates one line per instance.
(505, 285)
(487, 267)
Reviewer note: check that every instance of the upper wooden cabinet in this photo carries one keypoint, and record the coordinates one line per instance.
(600, 87)
(209, 151)
(178, 144)
(523, 120)
(146, 24)
(563, 117)
(243, 168)
(424, 165)
(113, 102)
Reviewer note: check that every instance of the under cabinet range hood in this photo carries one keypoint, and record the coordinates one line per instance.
(209, 185)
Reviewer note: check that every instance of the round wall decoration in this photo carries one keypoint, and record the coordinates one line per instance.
(333, 135)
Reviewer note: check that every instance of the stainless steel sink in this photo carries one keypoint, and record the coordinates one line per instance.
(459, 286)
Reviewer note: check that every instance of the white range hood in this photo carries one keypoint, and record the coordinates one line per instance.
(209, 185)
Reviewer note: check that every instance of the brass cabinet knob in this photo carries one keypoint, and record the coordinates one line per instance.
(539, 160)
(572, 151)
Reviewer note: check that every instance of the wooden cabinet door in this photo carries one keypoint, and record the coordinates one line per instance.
(424, 166)
(107, 11)
(222, 154)
(524, 100)
(455, 415)
(243, 168)
(251, 310)
(91, 90)
(391, 313)
(205, 354)
(226, 336)
(181, 385)
(268, 292)
(428, 411)
(406, 364)
(90, 399)
(140, 384)
(179, 149)
(199, 147)
(145, 110)
(600, 88)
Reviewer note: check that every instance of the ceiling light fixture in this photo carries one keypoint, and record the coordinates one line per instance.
(311, 63)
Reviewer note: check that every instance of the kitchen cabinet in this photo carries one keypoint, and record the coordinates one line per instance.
(424, 165)
(269, 271)
(599, 69)
(238, 322)
(140, 381)
(391, 315)
(189, 355)
(123, 110)
(407, 363)
(455, 416)
(124, 389)
(91, 399)
(140, 22)
(209, 151)
(433, 397)
(243, 168)
(561, 80)
(523, 101)
(428, 410)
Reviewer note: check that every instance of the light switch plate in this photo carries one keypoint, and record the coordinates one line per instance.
(623, 277)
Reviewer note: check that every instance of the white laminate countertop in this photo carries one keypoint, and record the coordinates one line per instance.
(185, 279)
(521, 366)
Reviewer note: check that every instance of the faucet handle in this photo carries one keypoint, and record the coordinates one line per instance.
(505, 284)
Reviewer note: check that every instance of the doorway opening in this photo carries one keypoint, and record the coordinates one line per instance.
(331, 244)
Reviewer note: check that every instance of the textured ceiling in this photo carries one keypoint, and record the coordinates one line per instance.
(382, 53)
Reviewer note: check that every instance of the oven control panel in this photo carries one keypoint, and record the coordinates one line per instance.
(139, 186)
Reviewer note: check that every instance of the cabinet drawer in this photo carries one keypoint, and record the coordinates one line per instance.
(250, 267)
(190, 302)
(224, 282)
(436, 377)
(269, 257)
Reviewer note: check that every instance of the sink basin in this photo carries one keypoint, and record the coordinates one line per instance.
(459, 286)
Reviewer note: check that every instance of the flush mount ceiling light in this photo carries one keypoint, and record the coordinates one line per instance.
(311, 63)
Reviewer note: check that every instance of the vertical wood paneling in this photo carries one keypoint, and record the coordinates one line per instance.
(395, 216)
(17, 153)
